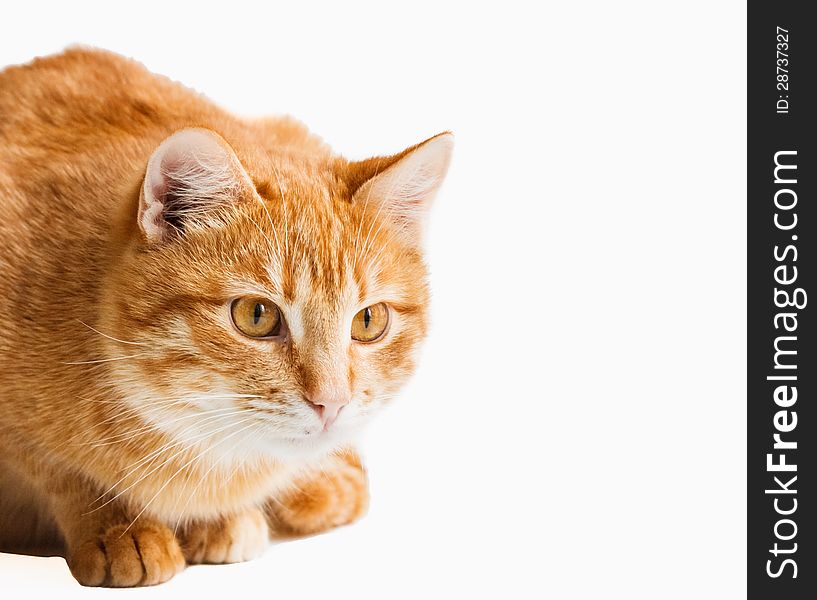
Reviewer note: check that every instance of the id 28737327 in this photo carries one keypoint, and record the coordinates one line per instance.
(782, 71)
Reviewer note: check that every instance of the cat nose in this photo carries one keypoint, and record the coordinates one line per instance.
(328, 404)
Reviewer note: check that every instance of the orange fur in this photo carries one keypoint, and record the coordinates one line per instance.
(137, 425)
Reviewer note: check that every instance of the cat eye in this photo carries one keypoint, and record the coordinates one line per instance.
(370, 324)
(256, 317)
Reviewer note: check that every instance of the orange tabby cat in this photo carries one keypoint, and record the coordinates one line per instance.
(197, 313)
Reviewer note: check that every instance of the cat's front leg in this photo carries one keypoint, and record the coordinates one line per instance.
(336, 493)
(228, 539)
(105, 543)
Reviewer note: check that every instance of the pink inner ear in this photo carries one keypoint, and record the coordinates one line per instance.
(158, 185)
(405, 190)
(190, 174)
(151, 219)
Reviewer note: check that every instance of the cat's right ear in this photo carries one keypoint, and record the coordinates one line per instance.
(190, 177)
(403, 186)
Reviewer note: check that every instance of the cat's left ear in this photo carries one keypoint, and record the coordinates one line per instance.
(191, 178)
(403, 186)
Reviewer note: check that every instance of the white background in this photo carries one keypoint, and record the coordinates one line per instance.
(577, 427)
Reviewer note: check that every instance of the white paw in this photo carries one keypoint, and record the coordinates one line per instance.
(231, 539)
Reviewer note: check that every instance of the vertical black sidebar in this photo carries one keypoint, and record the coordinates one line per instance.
(782, 300)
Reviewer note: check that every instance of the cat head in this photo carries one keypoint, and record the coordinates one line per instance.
(271, 306)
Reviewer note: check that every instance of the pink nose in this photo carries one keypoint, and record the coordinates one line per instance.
(328, 404)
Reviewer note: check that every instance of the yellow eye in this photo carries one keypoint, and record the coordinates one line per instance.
(370, 323)
(256, 317)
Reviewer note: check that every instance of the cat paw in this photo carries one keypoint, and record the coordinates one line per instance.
(334, 496)
(230, 539)
(145, 554)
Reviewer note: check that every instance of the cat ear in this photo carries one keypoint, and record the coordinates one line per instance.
(405, 188)
(190, 175)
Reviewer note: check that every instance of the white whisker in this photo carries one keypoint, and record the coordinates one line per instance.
(203, 478)
(110, 337)
(363, 212)
(126, 436)
(269, 218)
(102, 360)
(184, 466)
(166, 461)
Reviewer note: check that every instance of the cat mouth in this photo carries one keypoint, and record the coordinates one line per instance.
(313, 435)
